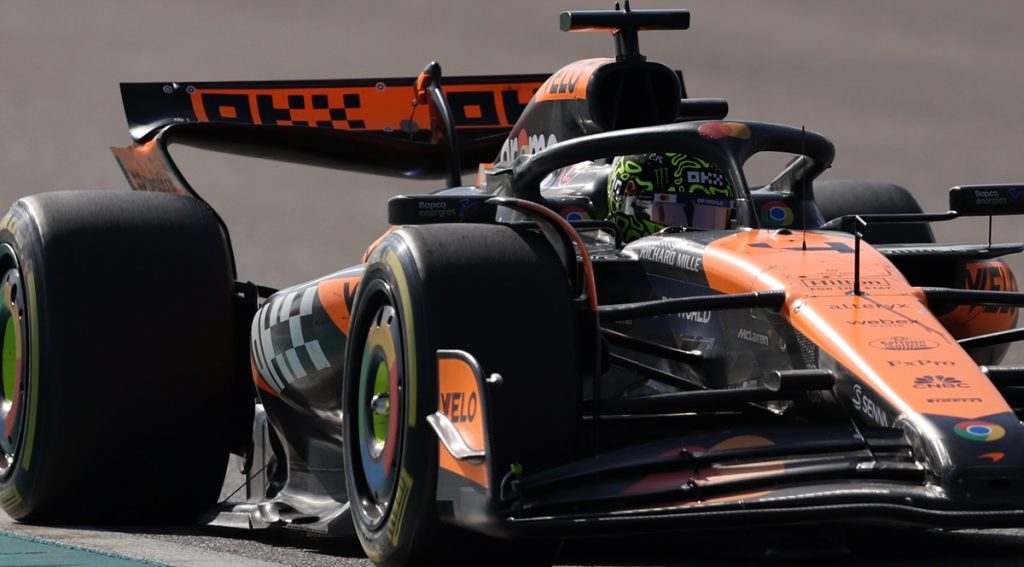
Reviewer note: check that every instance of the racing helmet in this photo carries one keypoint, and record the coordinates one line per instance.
(648, 192)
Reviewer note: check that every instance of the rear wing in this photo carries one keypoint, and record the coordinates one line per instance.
(385, 126)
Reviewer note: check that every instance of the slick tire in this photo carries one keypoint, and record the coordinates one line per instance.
(117, 334)
(497, 294)
(838, 198)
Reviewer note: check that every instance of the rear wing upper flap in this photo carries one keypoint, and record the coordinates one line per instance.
(373, 125)
(379, 106)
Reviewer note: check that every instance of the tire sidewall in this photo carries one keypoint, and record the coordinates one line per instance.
(411, 522)
(18, 487)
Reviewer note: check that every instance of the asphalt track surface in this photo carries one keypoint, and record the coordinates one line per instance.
(924, 94)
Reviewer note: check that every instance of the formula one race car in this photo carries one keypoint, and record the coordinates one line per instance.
(610, 332)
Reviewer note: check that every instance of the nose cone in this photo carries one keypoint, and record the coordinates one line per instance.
(980, 464)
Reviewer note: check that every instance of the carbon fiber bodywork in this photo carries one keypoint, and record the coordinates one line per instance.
(297, 342)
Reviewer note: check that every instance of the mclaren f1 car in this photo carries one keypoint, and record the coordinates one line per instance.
(610, 331)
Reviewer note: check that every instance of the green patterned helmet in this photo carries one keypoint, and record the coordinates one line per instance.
(648, 192)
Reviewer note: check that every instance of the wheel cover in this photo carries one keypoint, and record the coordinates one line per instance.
(379, 413)
(13, 327)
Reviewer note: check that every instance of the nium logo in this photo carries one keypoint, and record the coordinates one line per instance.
(938, 382)
(903, 343)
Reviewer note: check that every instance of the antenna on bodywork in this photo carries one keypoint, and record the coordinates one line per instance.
(990, 228)
(858, 223)
(803, 189)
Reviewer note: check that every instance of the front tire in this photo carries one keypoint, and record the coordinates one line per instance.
(501, 296)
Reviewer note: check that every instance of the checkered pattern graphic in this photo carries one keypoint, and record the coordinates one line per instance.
(280, 344)
(331, 110)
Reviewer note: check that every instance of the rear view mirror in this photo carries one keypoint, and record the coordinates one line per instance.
(985, 200)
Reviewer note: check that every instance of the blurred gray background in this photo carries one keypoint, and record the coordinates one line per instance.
(925, 94)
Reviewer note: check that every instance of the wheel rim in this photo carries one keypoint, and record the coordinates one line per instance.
(379, 412)
(13, 326)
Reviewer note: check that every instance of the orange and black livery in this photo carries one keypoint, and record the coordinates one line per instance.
(511, 358)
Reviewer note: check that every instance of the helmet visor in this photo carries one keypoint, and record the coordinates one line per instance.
(675, 209)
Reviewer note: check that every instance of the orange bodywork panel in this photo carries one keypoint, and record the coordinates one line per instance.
(147, 168)
(570, 82)
(974, 320)
(336, 295)
(879, 335)
(460, 399)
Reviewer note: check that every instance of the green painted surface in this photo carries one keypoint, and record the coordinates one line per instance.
(380, 386)
(19, 551)
(10, 360)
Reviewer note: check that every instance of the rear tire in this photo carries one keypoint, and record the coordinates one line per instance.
(838, 198)
(497, 294)
(117, 383)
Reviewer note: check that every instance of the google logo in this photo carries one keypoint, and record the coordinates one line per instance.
(776, 213)
(979, 430)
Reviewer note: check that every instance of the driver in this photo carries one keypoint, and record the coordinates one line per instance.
(648, 192)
